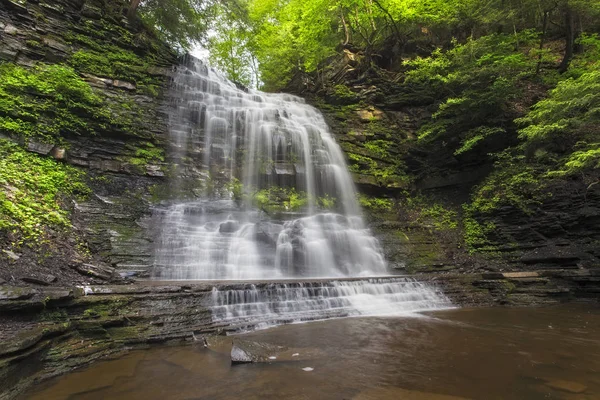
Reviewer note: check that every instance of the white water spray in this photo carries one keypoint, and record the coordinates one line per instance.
(245, 145)
(265, 143)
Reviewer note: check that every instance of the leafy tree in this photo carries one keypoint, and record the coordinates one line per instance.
(179, 22)
(230, 44)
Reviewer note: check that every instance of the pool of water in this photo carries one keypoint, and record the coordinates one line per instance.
(498, 353)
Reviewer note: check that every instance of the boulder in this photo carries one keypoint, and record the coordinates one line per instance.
(246, 351)
(16, 293)
(229, 226)
(58, 153)
(124, 85)
(95, 271)
(13, 256)
(40, 148)
(240, 356)
(57, 45)
(43, 280)
(10, 29)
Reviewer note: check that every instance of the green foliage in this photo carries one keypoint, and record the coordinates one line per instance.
(292, 36)
(46, 102)
(477, 81)
(579, 161)
(116, 63)
(379, 148)
(574, 105)
(147, 155)
(512, 183)
(279, 199)
(181, 23)
(441, 217)
(383, 173)
(327, 202)
(476, 235)
(564, 126)
(375, 204)
(31, 188)
(229, 43)
(235, 187)
(475, 136)
(424, 210)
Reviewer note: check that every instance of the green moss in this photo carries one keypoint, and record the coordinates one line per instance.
(58, 315)
(427, 211)
(90, 314)
(47, 102)
(476, 234)
(327, 202)
(116, 63)
(33, 43)
(343, 95)
(385, 174)
(376, 204)
(277, 199)
(380, 148)
(441, 217)
(125, 332)
(31, 188)
(342, 91)
(512, 183)
(147, 155)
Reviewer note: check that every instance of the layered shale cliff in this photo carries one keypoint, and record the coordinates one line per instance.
(85, 163)
(425, 198)
(116, 139)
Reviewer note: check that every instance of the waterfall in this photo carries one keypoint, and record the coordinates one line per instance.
(262, 305)
(273, 195)
(262, 193)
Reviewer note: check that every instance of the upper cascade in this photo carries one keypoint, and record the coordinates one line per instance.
(276, 200)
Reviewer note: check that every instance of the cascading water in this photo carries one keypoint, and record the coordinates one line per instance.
(276, 200)
(260, 146)
(256, 305)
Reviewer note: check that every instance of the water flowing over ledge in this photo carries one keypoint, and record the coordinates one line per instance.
(278, 303)
(246, 146)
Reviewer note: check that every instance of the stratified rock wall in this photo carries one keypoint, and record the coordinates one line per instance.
(415, 190)
(125, 161)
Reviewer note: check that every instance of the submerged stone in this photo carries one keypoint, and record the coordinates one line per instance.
(246, 351)
(239, 356)
(567, 386)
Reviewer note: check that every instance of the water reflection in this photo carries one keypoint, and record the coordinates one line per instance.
(549, 353)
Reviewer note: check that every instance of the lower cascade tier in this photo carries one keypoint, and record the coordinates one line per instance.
(261, 305)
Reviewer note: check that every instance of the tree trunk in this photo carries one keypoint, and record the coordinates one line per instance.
(133, 5)
(542, 38)
(393, 22)
(570, 40)
(346, 31)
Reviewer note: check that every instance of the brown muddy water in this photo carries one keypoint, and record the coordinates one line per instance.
(498, 353)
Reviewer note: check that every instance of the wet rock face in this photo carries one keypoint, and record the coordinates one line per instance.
(125, 162)
(50, 330)
(376, 121)
(562, 232)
